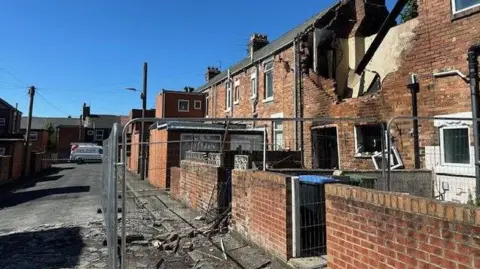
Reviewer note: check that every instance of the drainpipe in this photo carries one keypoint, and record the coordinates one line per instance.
(295, 107)
(473, 54)
(264, 148)
(414, 87)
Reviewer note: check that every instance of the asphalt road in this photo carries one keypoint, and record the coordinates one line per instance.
(69, 195)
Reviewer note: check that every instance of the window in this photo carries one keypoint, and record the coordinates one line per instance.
(246, 142)
(461, 5)
(278, 135)
(253, 85)
(455, 145)
(33, 136)
(368, 139)
(197, 104)
(3, 121)
(228, 97)
(90, 132)
(236, 94)
(207, 104)
(2, 151)
(268, 80)
(183, 105)
(100, 151)
(98, 135)
(199, 142)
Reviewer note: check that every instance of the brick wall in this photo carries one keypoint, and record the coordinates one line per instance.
(261, 210)
(198, 185)
(164, 153)
(5, 169)
(66, 135)
(17, 159)
(134, 153)
(373, 229)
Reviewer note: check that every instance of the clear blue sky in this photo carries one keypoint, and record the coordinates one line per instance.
(89, 50)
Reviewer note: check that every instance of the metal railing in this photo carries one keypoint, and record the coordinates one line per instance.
(109, 195)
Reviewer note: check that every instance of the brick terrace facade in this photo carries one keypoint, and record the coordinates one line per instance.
(440, 43)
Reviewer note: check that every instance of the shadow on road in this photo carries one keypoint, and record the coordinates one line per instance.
(27, 196)
(50, 178)
(54, 248)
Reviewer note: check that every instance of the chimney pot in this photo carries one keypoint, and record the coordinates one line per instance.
(257, 41)
(211, 73)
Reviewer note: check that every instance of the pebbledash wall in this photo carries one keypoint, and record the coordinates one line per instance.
(374, 229)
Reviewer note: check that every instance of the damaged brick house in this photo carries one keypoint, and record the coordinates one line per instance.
(11, 143)
(309, 72)
(281, 79)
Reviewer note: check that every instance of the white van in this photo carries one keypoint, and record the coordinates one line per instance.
(86, 152)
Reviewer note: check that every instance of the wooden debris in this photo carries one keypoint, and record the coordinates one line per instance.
(223, 249)
(209, 255)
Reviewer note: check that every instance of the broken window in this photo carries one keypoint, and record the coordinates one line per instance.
(368, 139)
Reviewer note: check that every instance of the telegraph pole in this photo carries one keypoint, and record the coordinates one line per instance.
(142, 131)
(15, 115)
(26, 155)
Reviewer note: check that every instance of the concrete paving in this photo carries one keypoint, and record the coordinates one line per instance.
(70, 194)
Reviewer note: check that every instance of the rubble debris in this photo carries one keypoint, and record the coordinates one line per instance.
(141, 243)
(199, 218)
(157, 224)
(157, 243)
(188, 246)
(133, 237)
(159, 263)
(190, 234)
(223, 249)
(176, 245)
(210, 255)
(99, 210)
(162, 237)
(264, 265)
(172, 237)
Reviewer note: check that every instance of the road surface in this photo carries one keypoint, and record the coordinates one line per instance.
(53, 222)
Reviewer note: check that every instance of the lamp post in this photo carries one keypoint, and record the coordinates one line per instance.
(142, 135)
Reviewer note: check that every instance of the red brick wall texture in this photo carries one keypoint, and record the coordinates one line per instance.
(261, 210)
(195, 182)
(373, 229)
(441, 43)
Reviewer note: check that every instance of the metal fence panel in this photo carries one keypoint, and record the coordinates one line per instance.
(109, 195)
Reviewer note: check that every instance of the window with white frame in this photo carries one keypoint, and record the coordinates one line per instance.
(207, 104)
(200, 143)
(33, 136)
(253, 85)
(461, 5)
(197, 104)
(455, 145)
(268, 80)
(183, 105)
(3, 121)
(368, 139)
(236, 92)
(228, 95)
(277, 126)
(2, 151)
(98, 135)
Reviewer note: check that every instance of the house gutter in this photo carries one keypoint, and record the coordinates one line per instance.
(473, 53)
(295, 89)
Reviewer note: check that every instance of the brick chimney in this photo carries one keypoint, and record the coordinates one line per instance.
(369, 16)
(86, 111)
(257, 41)
(211, 72)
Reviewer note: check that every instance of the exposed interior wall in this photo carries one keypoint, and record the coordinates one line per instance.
(157, 159)
(261, 210)
(134, 152)
(373, 229)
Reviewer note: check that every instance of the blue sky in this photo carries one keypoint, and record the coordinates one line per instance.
(90, 50)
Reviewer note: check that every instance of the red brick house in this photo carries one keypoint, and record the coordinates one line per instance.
(11, 143)
(307, 72)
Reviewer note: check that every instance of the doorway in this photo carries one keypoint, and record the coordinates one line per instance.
(325, 148)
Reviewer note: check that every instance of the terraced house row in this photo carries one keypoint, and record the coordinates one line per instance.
(355, 60)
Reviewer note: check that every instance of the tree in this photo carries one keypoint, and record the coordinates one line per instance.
(410, 11)
(50, 131)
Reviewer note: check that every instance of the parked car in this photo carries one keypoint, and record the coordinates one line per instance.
(86, 152)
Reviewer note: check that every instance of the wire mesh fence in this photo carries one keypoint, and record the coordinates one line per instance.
(109, 194)
(379, 154)
(442, 145)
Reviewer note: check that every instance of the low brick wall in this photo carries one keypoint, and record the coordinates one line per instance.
(261, 210)
(374, 229)
(175, 177)
(198, 184)
(5, 169)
